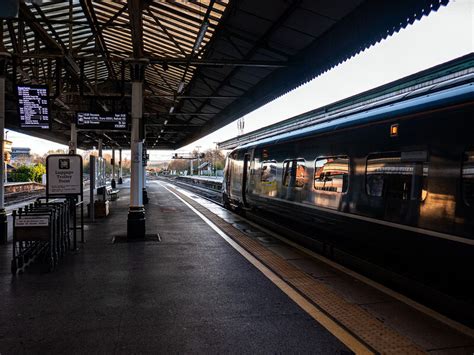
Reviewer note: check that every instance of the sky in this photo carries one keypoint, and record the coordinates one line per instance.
(435, 39)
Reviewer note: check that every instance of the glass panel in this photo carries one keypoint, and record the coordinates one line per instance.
(300, 173)
(388, 175)
(468, 178)
(332, 174)
(294, 173)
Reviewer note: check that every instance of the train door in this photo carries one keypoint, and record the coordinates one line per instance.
(245, 177)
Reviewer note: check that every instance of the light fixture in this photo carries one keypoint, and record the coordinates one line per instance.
(180, 87)
(171, 109)
(200, 37)
(394, 130)
(166, 122)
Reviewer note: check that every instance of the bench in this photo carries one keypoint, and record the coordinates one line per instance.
(113, 194)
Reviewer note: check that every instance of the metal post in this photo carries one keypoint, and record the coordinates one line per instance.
(191, 168)
(100, 147)
(112, 161)
(144, 163)
(136, 212)
(120, 180)
(198, 161)
(73, 141)
(4, 56)
(92, 173)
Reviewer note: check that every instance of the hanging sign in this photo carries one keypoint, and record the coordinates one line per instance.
(63, 175)
(109, 121)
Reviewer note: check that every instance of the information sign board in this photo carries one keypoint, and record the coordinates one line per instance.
(33, 106)
(109, 121)
(63, 175)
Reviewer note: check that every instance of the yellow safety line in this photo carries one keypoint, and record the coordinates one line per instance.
(334, 328)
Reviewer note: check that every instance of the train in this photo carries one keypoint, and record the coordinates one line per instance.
(389, 183)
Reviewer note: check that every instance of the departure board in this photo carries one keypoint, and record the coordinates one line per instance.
(33, 106)
(109, 121)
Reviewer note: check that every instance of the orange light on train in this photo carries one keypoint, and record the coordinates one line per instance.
(394, 130)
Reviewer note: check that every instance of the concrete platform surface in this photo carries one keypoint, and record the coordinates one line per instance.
(190, 293)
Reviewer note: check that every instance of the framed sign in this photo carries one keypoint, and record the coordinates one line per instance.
(64, 175)
(33, 106)
(108, 121)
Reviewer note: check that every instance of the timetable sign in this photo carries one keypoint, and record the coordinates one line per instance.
(108, 121)
(33, 106)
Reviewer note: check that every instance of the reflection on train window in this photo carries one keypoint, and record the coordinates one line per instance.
(388, 175)
(468, 178)
(332, 174)
(294, 173)
(268, 171)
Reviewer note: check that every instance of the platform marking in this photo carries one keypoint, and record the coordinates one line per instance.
(461, 328)
(333, 327)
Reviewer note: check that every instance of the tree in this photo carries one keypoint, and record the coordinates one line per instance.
(38, 170)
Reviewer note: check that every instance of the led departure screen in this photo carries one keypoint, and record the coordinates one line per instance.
(33, 106)
(108, 121)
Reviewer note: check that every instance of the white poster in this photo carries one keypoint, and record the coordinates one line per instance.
(64, 174)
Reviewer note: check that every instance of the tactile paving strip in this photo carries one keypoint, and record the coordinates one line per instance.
(356, 320)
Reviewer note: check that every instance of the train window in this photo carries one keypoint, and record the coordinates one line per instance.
(268, 171)
(332, 174)
(397, 175)
(294, 173)
(468, 178)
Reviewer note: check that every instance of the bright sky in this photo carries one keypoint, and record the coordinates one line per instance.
(440, 37)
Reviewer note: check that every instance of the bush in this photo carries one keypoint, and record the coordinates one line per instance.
(26, 173)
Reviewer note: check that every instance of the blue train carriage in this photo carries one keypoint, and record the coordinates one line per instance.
(390, 181)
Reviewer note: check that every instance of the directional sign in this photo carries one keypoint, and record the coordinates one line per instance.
(63, 175)
(33, 106)
(110, 121)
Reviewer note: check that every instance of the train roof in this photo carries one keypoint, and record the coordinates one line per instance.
(448, 82)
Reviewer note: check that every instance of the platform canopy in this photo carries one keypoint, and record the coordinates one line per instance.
(210, 61)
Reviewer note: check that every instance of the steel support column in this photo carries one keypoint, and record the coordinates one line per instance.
(4, 57)
(112, 162)
(136, 213)
(120, 180)
(100, 147)
(73, 140)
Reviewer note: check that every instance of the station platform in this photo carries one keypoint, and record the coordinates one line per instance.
(212, 284)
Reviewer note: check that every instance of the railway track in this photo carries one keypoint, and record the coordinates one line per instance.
(18, 197)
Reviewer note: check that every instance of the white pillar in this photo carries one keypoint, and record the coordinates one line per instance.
(136, 179)
(136, 213)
